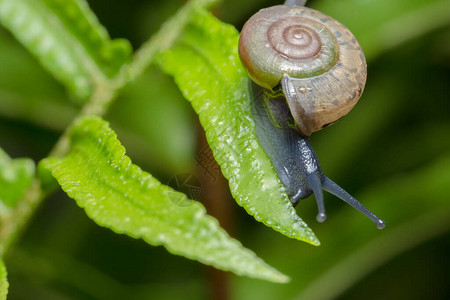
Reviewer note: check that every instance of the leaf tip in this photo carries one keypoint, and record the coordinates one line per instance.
(281, 278)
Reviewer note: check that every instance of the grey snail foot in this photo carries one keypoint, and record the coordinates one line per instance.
(293, 156)
(308, 72)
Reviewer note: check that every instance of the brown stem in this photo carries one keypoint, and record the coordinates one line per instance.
(216, 199)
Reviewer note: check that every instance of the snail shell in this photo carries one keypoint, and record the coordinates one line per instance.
(317, 60)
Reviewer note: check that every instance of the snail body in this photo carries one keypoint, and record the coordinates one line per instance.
(308, 71)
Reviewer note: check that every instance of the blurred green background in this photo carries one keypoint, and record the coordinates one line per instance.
(392, 152)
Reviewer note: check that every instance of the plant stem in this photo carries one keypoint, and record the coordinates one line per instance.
(215, 194)
(105, 92)
(97, 105)
(161, 41)
(13, 223)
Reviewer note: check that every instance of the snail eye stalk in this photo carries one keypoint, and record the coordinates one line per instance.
(308, 71)
(332, 188)
(314, 183)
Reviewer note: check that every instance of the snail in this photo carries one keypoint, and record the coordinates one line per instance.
(307, 72)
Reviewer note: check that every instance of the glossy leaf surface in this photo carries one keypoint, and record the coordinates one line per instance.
(67, 39)
(212, 78)
(118, 195)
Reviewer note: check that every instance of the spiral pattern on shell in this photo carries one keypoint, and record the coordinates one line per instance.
(296, 41)
(320, 64)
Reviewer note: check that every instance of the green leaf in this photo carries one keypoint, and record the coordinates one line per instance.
(16, 176)
(415, 207)
(67, 39)
(207, 69)
(119, 195)
(412, 221)
(154, 96)
(3, 281)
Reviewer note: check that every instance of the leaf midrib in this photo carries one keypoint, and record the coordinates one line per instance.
(61, 31)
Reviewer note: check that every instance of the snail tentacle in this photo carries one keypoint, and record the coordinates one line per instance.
(310, 71)
(332, 188)
(314, 183)
(293, 156)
